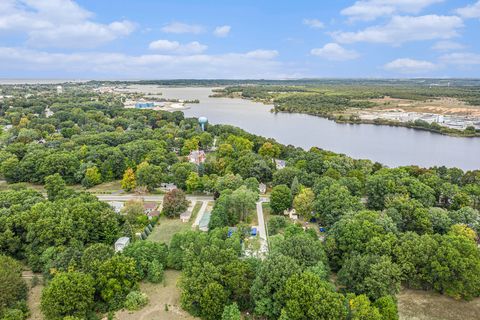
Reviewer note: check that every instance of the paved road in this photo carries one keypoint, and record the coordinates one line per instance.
(153, 198)
(262, 232)
(200, 214)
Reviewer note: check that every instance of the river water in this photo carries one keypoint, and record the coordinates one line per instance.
(392, 146)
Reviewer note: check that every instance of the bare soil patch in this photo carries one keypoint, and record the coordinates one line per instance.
(427, 305)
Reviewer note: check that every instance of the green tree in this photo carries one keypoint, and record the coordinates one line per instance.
(280, 199)
(193, 183)
(149, 175)
(362, 309)
(117, 277)
(303, 202)
(375, 276)
(55, 186)
(92, 177)
(268, 287)
(231, 312)
(68, 294)
(213, 301)
(242, 202)
(333, 202)
(307, 296)
(13, 287)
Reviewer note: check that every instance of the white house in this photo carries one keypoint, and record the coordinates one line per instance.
(197, 156)
(121, 243)
(280, 164)
(262, 188)
(116, 205)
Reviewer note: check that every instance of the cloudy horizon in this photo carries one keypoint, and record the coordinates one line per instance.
(88, 39)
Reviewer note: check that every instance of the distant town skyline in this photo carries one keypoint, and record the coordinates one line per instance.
(87, 39)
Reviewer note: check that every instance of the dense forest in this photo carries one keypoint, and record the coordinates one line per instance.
(372, 229)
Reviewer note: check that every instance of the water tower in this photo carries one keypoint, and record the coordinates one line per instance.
(202, 121)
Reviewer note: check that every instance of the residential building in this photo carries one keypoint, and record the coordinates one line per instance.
(197, 156)
(280, 164)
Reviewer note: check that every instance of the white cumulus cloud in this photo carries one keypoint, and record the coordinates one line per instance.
(262, 54)
(410, 66)
(447, 45)
(234, 65)
(367, 10)
(470, 11)
(314, 23)
(58, 23)
(179, 27)
(401, 29)
(193, 47)
(222, 31)
(334, 52)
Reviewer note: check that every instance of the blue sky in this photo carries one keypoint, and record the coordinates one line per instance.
(148, 39)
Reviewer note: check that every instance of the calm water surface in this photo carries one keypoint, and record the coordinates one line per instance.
(393, 146)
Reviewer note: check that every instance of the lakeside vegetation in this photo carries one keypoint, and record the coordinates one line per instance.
(342, 101)
(384, 227)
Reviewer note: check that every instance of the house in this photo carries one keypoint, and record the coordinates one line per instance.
(262, 188)
(121, 243)
(280, 164)
(292, 214)
(197, 156)
(117, 206)
(149, 207)
(168, 186)
(152, 214)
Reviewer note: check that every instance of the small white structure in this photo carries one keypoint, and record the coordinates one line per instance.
(185, 216)
(168, 186)
(197, 156)
(59, 89)
(280, 164)
(116, 205)
(121, 243)
(262, 188)
(292, 214)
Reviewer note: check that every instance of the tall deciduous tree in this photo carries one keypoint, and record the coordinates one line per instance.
(174, 203)
(68, 294)
(280, 198)
(128, 181)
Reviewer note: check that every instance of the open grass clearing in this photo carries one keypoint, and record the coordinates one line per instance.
(428, 305)
(166, 228)
(159, 296)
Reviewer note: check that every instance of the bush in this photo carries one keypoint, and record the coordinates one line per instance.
(275, 224)
(136, 300)
(155, 272)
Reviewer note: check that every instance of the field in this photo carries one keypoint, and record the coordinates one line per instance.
(166, 228)
(445, 106)
(422, 305)
(160, 296)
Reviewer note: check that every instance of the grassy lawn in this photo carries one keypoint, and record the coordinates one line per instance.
(166, 227)
(106, 188)
(159, 295)
(428, 305)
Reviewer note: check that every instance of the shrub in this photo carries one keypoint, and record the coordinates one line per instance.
(136, 300)
(155, 272)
